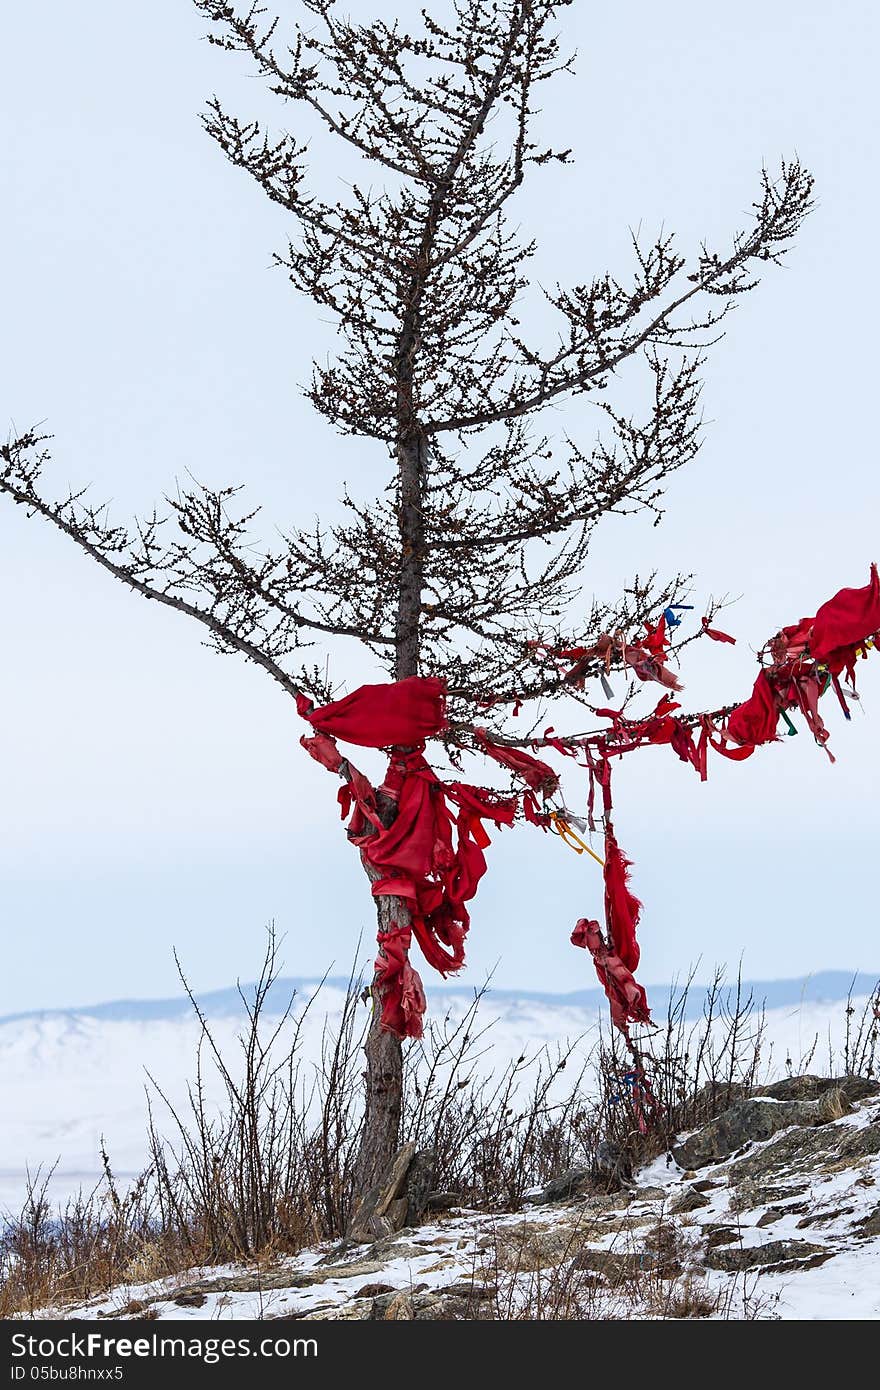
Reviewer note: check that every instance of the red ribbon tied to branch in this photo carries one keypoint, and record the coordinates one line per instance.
(429, 853)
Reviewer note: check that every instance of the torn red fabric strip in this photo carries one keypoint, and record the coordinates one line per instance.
(622, 909)
(716, 634)
(536, 774)
(655, 639)
(627, 998)
(648, 668)
(403, 997)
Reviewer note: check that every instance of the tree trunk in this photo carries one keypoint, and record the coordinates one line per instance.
(383, 1081)
(383, 1078)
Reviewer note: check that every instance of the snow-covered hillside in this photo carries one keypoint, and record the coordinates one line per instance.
(70, 1079)
(781, 1220)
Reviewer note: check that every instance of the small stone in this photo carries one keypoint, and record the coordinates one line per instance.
(567, 1184)
(442, 1201)
(688, 1200)
(477, 1293)
(720, 1235)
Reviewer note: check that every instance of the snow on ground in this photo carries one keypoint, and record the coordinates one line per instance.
(466, 1252)
(68, 1081)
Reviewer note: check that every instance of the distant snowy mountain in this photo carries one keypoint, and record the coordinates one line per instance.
(70, 1078)
(824, 987)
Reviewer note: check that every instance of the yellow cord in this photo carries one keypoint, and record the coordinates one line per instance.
(573, 840)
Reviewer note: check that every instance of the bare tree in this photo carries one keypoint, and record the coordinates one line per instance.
(479, 540)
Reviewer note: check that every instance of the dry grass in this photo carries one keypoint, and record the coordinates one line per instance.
(271, 1171)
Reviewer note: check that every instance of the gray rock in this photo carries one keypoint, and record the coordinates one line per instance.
(688, 1200)
(854, 1088)
(830, 1148)
(612, 1167)
(568, 1184)
(869, 1225)
(746, 1122)
(617, 1267)
(720, 1235)
(859, 1143)
(420, 1178)
(734, 1259)
(791, 1154)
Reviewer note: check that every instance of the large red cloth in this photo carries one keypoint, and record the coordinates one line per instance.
(847, 619)
(755, 720)
(627, 998)
(377, 716)
(433, 859)
(537, 775)
(430, 856)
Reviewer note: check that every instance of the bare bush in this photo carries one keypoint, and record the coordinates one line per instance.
(270, 1171)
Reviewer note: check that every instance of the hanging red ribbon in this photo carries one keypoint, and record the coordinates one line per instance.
(431, 853)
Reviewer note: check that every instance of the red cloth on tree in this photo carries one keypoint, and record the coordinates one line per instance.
(847, 619)
(377, 716)
(433, 860)
(655, 639)
(755, 720)
(716, 634)
(324, 751)
(403, 997)
(627, 998)
(647, 667)
(622, 909)
(537, 775)
(431, 856)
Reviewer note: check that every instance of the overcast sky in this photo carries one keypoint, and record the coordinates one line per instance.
(153, 793)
